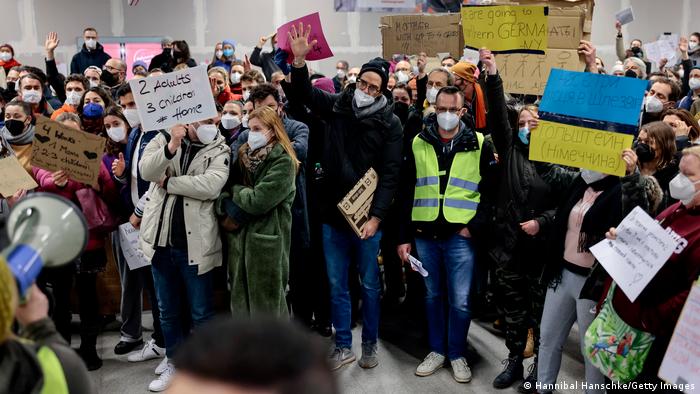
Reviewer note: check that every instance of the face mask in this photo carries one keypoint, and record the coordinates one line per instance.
(694, 83)
(447, 120)
(167, 51)
(228, 52)
(683, 189)
(692, 45)
(681, 73)
(644, 153)
(132, 116)
(235, 78)
(95, 110)
(401, 77)
(631, 74)
(257, 139)
(230, 122)
(31, 96)
(653, 105)
(5, 56)
(91, 44)
(94, 84)
(206, 133)
(340, 73)
(246, 95)
(117, 134)
(637, 51)
(352, 79)
(218, 54)
(362, 99)
(73, 98)
(14, 126)
(401, 110)
(244, 121)
(590, 176)
(524, 135)
(431, 95)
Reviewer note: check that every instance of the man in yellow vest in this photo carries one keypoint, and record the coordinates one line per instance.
(443, 177)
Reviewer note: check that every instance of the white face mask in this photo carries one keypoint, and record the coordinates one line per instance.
(132, 116)
(257, 139)
(590, 176)
(694, 83)
(340, 73)
(448, 121)
(352, 79)
(244, 121)
(206, 133)
(653, 105)
(5, 56)
(230, 122)
(94, 84)
(692, 45)
(117, 134)
(31, 96)
(431, 95)
(246, 95)
(683, 189)
(681, 73)
(235, 78)
(73, 97)
(363, 99)
(401, 77)
(91, 44)
(219, 53)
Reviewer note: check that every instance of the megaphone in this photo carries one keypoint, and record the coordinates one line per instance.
(46, 230)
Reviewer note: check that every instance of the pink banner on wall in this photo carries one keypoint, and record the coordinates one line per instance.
(144, 51)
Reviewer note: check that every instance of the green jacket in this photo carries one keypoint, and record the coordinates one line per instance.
(258, 252)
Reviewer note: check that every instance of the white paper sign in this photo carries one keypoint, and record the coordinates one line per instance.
(625, 16)
(406, 4)
(179, 97)
(129, 241)
(417, 266)
(657, 50)
(642, 247)
(681, 364)
(471, 56)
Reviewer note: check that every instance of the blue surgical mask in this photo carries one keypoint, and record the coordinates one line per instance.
(228, 52)
(524, 135)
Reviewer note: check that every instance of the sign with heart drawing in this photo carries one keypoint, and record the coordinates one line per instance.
(58, 147)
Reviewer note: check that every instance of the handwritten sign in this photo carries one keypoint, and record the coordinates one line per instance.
(681, 363)
(594, 96)
(582, 147)
(661, 49)
(321, 49)
(413, 34)
(506, 28)
(129, 241)
(565, 28)
(13, 177)
(642, 247)
(528, 74)
(179, 97)
(356, 204)
(58, 147)
(625, 16)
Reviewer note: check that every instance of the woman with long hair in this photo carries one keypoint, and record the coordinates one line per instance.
(656, 157)
(256, 213)
(685, 127)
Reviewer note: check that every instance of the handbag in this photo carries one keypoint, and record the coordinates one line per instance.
(617, 349)
(97, 213)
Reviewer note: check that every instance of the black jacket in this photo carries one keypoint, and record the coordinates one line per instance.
(352, 146)
(86, 58)
(160, 60)
(264, 60)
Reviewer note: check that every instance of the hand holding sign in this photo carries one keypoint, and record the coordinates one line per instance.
(177, 133)
(317, 47)
(488, 60)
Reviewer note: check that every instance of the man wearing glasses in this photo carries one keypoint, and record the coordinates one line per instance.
(439, 198)
(361, 133)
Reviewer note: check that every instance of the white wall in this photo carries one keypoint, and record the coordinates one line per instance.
(353, 36)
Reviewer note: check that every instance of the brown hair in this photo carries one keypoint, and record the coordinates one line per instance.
(687, 118)
(665, 140)
(114, 148)
(269, 118)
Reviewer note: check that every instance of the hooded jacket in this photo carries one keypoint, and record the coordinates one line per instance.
(86, 58)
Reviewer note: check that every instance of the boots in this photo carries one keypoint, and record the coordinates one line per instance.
(512, 372)
(528, 385)
(88, 352)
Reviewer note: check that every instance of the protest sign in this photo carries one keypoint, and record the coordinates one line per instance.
(681, 363)
(506, 28)
(413, 34)
(321, 49)
(641, 248)
(129, 241)
(13, 177)
(179, 97)
(527, 74)
(356, 204)
(58, 147)
(661, 49)
(471, 56)
(625, 16)
(564, 28)
(417, 266)
(404, 4)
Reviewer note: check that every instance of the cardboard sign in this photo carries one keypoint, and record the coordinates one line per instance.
(625, 16)
(179, 97)
(129, 241)
(681, 363)
(582, 147)
(58, 147)
(565, 28)
(13, 177)
(642, 247)
(594, 96)
(356, 204)
(528, 74)
(320, 51)
(413, 34)
(506, 28)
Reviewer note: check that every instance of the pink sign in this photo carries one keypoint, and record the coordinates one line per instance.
(144, 51)
(320, 51)
(112, 49)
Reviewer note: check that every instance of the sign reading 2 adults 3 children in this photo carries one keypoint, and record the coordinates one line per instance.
(179, 97)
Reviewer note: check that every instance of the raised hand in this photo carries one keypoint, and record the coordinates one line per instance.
(488, 60)
(50, 44)
(118, 166)
(618, 26)
(299, 42)
(683, 47)
(587, 49)
(246, 64)
(421, 62)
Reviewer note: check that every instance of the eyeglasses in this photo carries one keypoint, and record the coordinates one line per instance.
(453, 110)
(371, 89)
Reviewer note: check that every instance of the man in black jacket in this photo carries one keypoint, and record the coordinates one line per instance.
(92, 53)
(165, 57)
(362, 133)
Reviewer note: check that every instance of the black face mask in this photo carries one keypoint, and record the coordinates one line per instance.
(637, 51)
(631, 74)
(15, 127)
(401, 110)
(11, 86)
(645, 153)
(167, 51)
(109, 79)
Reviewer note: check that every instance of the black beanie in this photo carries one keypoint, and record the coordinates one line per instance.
(379, 66)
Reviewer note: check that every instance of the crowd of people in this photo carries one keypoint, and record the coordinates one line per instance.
(250, 198)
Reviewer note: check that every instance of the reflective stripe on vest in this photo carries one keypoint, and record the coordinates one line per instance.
(54, 378)
(461, 198)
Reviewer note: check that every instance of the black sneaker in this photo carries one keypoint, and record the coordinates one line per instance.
(512, 373)
(90, 358)
(528, 385)
(124, 347)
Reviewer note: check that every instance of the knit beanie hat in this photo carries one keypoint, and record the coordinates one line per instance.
(8, 46)
(325, 84)
(8, 293)
(139, 63)
(465, 70)
(229, 42)
(379, 66)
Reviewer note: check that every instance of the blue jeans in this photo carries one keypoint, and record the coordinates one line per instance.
(339, 246)
(174, 278)
(450, 262)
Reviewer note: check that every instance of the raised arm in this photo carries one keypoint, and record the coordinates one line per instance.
(501, 131)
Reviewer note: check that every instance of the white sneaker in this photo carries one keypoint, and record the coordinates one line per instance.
(162, 366)
(461, 371)
(430, 364)
(163, 381)
(149, 351)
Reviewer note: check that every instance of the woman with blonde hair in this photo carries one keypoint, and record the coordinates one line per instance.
(256, 214)
(220, 89)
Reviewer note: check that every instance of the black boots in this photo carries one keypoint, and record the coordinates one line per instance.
(513, 372)
(528, 386)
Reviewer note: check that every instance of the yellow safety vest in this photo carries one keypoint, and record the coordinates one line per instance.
(461, 196)
(54, 378)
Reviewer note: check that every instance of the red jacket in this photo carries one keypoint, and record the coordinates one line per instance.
(8, 65)
(226, 96)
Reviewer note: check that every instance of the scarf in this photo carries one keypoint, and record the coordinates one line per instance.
(25, 138)
(370, 109)
(251, 159)
(480, 110)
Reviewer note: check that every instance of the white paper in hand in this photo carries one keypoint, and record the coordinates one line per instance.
(129, 241)
(417, 266)
(625, 16)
